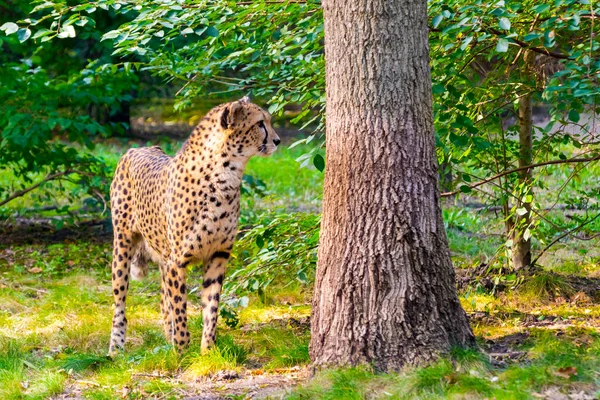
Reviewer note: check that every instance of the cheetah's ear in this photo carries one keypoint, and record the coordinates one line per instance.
(245, 100)
(231, 113)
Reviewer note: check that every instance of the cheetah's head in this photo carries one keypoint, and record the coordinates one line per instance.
(249, 128)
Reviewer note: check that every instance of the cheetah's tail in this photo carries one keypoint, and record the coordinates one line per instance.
(139, 263)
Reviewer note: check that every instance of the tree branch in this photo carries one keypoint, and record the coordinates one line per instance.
(48, 178)
(526, 167)
(526, 45)
(22, 192)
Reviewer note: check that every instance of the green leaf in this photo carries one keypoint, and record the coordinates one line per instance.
(42, 32)
(502, 46)
(465, 189)
(521, 211)
(111, 35)
(437, 19)
(67, 32)
(260, 242)
(573, 116)
(586, 60)
(540, 8)
(532, 36)
(437, 89)
(187, 31)
(23, 34)
(301, 275)
(319, 162)
(466, 42)
(9, 28)
(549, 38)
(83, 21)
(212, 31)
(458, 140)
(504, 23)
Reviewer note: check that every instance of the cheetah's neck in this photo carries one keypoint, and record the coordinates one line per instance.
(209, 158)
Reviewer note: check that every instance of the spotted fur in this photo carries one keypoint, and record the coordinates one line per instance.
(183, 210)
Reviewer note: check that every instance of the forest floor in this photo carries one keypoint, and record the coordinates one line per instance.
(538, 337)
(540, 340)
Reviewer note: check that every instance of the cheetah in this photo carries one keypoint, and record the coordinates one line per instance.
(184, 210)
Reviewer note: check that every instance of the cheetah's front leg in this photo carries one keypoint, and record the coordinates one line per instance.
(211, 293)
(174, 300)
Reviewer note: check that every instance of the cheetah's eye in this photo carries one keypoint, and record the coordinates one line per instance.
(261, 125)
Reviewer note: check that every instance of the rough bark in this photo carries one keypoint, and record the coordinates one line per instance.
(521, 248)
(385, 288)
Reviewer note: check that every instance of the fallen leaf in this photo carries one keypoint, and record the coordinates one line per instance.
(450, 379)
(35, 270)
(566, 372)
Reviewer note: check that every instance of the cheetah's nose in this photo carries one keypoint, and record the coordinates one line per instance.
(277, 141)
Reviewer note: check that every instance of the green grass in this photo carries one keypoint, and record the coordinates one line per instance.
(553, 361)
(55, 326)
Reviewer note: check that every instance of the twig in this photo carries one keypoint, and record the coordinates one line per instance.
(186, 85)
(526, 167)
(99, 195)
(22, 192)
(526, 45)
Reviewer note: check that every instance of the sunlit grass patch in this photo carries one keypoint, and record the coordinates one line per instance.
(277, 346)
(568, 361)
(260, 313)
(557, 358)
(48, 383)
(160, 388)
(10, 383)
(225, 355)
(544, 286)
(158, 359)
(24, 370)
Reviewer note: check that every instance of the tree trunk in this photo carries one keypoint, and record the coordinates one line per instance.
(521, 248)
(385, 289)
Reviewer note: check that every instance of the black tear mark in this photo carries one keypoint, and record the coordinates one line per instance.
(264, 128)
(224, 118)
(220, 254)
